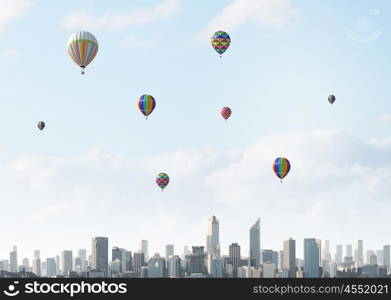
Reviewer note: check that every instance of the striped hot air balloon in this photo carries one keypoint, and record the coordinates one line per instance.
(41, 125)
(331, 99)
(82, 47)
(162, 180)
(281, 167)
(146, 104)
(225, 112)
(220, 41)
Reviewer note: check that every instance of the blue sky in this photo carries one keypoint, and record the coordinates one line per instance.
(283, 62)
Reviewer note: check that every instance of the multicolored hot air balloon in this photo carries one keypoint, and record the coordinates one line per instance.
(331, 99)
(281, 167)
(146, 104)
(41, 125)
(225, 112)
(82, 47)
(162, 180)
(220, 41)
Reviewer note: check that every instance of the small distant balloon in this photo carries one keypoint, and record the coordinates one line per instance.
(162, 180)
(220, 41)
(82, 47)
(331, 99)
(281, 167)
(146, 104)
(225, 112)
(41, 125)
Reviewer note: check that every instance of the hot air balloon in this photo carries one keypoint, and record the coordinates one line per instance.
(225, 112)
(82, 47)
(146, 104)
(281, 167)
(41, 125)
(331, 99)
(220, 41)
(162, 180)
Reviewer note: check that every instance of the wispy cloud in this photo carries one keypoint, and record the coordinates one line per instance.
(386, 118)
(10, 52)
(273, 13)
(83, 20)
(11, 10)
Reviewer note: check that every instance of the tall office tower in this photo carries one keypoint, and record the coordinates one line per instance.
(359, 253)
(338, 254)
(289, 257)
(269, 256)
(5, 265)
(368, 254)
(174, 266)
(156, 266)
(138, 262)
(326, 252)
(100, 254)
(216, 267)
(280, 257)
(43, 269)
(379, 255)
(386, 257)
(14, 260)
(58, 265)
(26, 264)
(82, 254)
(195, 262)
(37, 266)
(349, 251)
(37, 254)
(255, 245)
(372, 260)
(312, 258)
(78, 265)
(234, 257)
(120, 254)
(129, 264)
(169, 251)
(144, 249)
(213, 239)
(51, 267)
(66, 262)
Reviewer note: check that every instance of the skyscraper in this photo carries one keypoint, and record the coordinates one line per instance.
(255, 244)
(386, 257)
(144, 249)
(289, 257)
(213, 239)
(349, 251)
(138, 262)
(339, 254)
(359, 253)
(51, 267)
(311, 258)
(156, 266)
(82, 254)
(169, 251)
(14, 260)
(120, 254)
(174, 266)
(234, 258)
(66, 261)
(195, 262)
(100, 254)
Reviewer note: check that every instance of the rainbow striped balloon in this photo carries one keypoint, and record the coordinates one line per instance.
(146, 104)
(162, 180)
(82, 47)
(220, 41)
(281, 167)
(41, 125)
(331, 99)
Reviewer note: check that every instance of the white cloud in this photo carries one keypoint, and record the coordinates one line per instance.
(11, 10)
(10, 52)
(274, 13)
(338, 189)
(83, 20)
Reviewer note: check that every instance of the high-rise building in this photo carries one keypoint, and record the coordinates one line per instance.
(234, 258)
(51, 267)
(195, 262)
(368, 254)
(144, 249)
(216, 267)
(255, 245)
(82, 254)
(359, 253)
(289, 257)
(66, 261)
(326, 251)
(26, 264)
(213, 239)
(338, 254)
(14, 260)
(37, 254)
(100, 254)
(269, 256)
(169, 251)
(120, 254)
(156, 266)
(58, 265)
(379, 255)
(36, 266)
(174, 266)
(129, 261)
(312, 258)
(269, 270)
(386, 257)
(349, 251)
(138, 262)
(373, 260)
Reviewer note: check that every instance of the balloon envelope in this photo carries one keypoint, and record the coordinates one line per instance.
(41, 125)
(220, 41)
(146, 104)
(281, 167)
(82, 47)
(225, 112)
(162, 180)
(331, 99)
